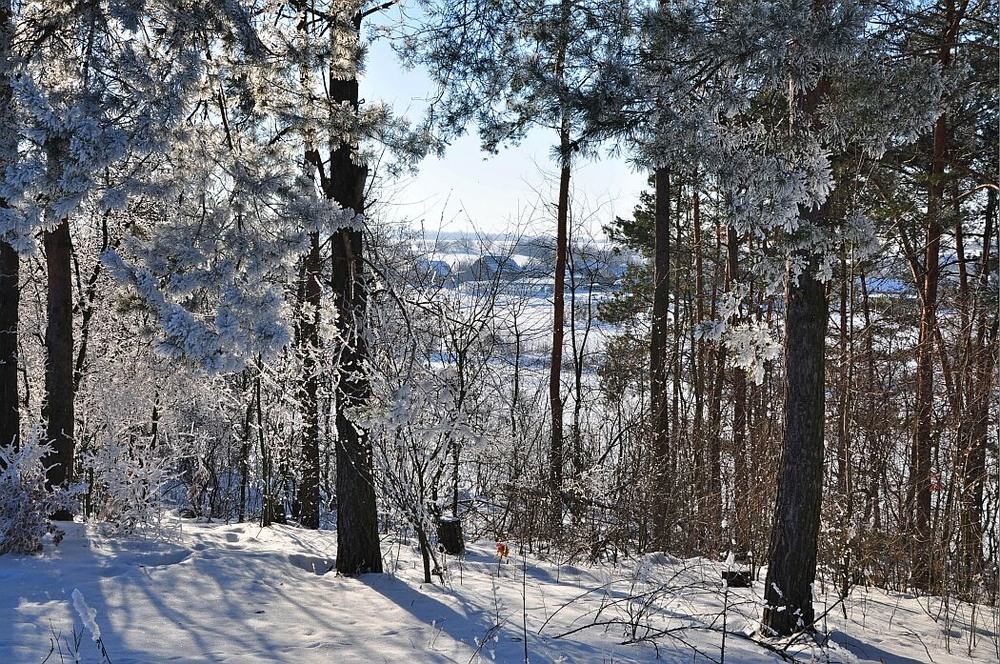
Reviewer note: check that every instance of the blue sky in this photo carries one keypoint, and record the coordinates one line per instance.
(471, 190)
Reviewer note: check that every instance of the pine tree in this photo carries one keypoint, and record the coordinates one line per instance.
(342, 179)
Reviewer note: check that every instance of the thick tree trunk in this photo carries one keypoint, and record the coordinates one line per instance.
(658, 362)
(58, 411)
(795, 528)
(792, 569)
(357, 516)
(357, 519)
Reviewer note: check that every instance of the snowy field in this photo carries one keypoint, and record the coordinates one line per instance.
(241, 594)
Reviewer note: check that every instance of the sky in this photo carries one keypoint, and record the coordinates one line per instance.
(471, 190)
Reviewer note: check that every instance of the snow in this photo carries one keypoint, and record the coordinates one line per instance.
(87, 615)
(241, 593)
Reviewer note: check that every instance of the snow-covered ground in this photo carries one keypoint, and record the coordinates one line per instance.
(242, 594)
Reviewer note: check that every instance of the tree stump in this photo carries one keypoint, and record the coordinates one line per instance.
(449, 532)
(737, 578)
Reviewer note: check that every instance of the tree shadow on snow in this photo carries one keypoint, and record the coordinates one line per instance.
(476, 626)
(866, 652)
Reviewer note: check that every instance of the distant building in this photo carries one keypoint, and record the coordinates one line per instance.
(435, 272)
(491, 268)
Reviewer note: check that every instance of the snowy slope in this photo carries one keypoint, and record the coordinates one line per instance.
(239, 593)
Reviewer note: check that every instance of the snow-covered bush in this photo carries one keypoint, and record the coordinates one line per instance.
(25, 505)
(126, 486)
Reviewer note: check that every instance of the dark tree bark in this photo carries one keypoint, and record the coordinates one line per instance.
(357, 517)
(307, 502)
(308, 499)
(794, 534)
(357, 527)
(741, 495)
(708, 450)
(556, 451)
(795, 528)
(10, 295)
(58, 410)
(658, 362)
(923, 436)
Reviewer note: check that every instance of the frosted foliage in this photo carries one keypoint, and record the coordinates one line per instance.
(765, 191)
(237, 205)
(126, 486)
(751, 346)
(729, 306)
(173, 109)
(858, 232)
(216, 327)
(25, 505)
(416, 431)
(212, 273)
(86, 118)
(903, 106)
(774, 166)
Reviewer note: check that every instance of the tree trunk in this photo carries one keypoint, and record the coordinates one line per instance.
(10, 418)
(357, 516)
(981, 378)
(357, 519)
(10, 294)
(792, 569)
(924, 445)
(269, 511)
(307, 502)
(923, 435)
(795, 528)
(658, 397)
(707, 447)
(556, 451)
(58, 410)
(741, 493)
(308, 499)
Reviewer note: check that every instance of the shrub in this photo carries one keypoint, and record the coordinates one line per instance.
(25, 504)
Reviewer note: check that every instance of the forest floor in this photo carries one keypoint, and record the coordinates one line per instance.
(242, 594)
